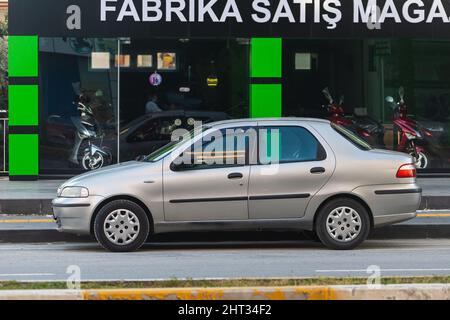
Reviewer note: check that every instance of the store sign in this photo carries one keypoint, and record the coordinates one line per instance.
(230, 18)
(212, 81)
(155, 79)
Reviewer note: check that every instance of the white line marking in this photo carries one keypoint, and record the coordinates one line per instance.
(27, 274)
(385, 270)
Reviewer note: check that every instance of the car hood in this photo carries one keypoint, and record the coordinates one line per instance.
(80, 179)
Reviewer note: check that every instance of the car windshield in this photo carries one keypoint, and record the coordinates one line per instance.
(167, 149)
(350, 136)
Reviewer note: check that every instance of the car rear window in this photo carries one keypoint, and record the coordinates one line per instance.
(351, 137)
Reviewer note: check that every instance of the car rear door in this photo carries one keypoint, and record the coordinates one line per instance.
(283, 187)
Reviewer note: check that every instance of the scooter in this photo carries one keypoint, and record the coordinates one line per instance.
(92, 156)
(336, 114)
(411, 135)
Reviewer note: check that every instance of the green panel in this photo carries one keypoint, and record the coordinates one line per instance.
(265, 60)
(23, 56)
(265, 100)
(23, 154)
(23, 105)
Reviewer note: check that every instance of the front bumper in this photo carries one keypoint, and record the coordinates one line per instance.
(73, 215)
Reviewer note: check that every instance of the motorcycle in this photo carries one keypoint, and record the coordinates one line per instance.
(411, 135)
(336, 114)
(88, 131)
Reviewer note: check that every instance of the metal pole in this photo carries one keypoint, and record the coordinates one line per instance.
(4, 144)
(383, 114)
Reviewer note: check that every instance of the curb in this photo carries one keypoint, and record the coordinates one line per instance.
(412, 231)
(360, 292)
(435, 203)
(41, 295)
(39, 236)
(25, 206)
(44, 206)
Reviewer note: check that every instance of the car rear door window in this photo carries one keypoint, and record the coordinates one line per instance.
(286, 144)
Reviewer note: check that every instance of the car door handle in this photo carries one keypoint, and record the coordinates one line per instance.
(317, 170)
(235, 175)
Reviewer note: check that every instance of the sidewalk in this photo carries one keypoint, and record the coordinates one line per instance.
(27, 197)
(436, 193)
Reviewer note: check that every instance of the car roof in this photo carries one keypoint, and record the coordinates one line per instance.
(262, 120)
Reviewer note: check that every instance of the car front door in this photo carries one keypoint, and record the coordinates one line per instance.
(281, 186)
(209, 190)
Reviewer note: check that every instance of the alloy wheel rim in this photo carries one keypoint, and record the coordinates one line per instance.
(121, 227)
(422, 161)
(93, 162)
(344, 224)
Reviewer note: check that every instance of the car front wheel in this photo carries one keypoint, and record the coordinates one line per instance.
(121, 226)
(343, 224)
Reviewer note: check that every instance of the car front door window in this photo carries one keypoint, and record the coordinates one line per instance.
(219, 149)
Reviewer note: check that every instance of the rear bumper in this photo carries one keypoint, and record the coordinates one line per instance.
(74, 215)
(391, 203)
(380, 221)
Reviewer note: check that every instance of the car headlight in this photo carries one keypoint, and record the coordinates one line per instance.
(73, 192)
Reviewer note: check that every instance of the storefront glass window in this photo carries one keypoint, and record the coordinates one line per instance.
(421, 70)
(389, 92)
(79, 104)
(139, 90)
(349, 81)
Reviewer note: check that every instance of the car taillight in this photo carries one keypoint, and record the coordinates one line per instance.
(364, 133)
(407, 171)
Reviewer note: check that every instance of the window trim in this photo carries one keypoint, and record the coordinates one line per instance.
(341, 131)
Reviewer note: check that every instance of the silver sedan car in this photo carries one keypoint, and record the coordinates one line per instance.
(259, 174)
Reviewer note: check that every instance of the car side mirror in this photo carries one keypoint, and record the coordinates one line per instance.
(180, 166)
(185, 161)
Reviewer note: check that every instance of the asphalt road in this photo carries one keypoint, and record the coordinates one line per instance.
(223, 260)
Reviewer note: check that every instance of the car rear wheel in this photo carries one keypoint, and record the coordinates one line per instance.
(343, 224)
(121, 226)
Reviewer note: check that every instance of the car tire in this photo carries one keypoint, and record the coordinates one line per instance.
(342, 224)
(121, 226)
